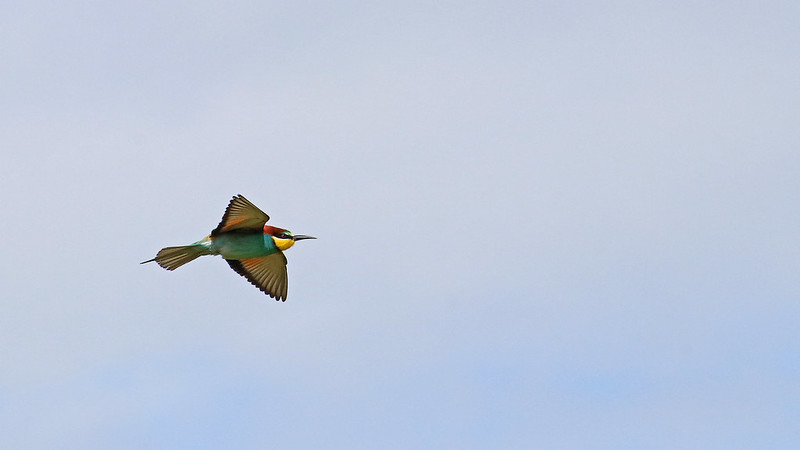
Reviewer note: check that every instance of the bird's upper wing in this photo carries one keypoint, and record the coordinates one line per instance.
(267, 273)
(241, 215)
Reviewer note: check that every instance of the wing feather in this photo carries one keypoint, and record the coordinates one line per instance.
(268, 273)
(241, 214)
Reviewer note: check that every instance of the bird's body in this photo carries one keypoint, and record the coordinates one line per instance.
(240, 245)
(252, 248)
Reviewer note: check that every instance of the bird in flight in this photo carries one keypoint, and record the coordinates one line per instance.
(251, 247)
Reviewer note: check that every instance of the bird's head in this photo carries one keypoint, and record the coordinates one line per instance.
(284, 239)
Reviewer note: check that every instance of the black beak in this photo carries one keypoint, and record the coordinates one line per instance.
(300, 237)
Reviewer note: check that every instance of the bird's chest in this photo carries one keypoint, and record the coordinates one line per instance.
(244, 245)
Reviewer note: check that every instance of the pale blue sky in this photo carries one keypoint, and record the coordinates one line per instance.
(541, 224)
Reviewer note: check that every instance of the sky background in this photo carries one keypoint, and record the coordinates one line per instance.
(541, 224)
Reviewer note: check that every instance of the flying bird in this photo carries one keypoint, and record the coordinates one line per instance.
(251, 247)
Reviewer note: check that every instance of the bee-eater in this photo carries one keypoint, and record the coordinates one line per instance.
(251, 247)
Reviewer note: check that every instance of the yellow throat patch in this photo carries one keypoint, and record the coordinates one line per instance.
(283, 244)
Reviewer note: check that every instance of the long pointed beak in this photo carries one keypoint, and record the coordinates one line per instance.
(300, 237)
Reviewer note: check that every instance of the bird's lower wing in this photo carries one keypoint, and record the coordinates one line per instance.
(267, 273)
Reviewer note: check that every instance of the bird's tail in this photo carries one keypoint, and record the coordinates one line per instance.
(171, 258)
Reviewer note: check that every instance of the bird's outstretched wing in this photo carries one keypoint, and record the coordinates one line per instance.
(267, 273)
(241, 215)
